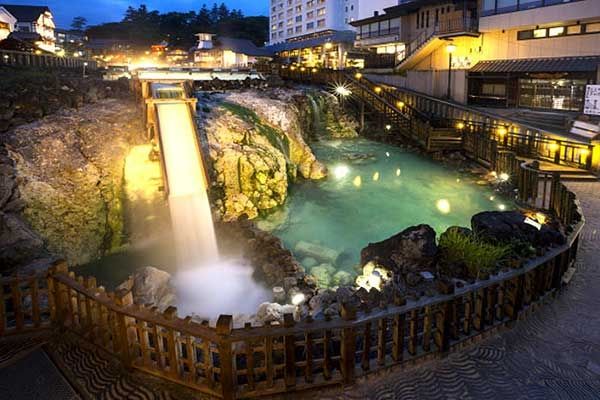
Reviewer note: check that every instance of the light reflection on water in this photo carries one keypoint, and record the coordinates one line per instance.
(374, 191)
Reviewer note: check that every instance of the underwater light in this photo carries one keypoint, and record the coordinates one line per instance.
(341, 171)
(492, 198)
(501, 207)
(443, 206)
(298, 299)
(376, 176)
(398, 172)
(388, 127)
(357, 181)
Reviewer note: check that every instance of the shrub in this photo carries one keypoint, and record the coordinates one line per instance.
(477, 255)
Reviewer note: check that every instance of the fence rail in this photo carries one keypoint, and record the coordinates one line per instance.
(19, 58)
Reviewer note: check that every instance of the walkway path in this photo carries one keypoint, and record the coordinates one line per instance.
(554, 354)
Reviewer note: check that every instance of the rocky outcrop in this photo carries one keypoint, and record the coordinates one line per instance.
(30, 94)
(68, 175)
(414, 247)
(151, 285)
(321, 115)
(507, 226)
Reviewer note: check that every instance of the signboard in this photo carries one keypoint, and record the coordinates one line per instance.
(592, 100)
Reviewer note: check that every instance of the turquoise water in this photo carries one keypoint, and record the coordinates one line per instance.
(397, 189)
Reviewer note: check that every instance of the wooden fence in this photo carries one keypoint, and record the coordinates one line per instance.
(18, 58)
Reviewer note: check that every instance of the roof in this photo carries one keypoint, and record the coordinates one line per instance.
(241, 46)
(25, 13)
(558, 64)
(335, 37)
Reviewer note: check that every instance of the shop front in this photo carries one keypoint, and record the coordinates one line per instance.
(546, 84)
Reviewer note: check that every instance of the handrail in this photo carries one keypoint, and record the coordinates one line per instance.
(12, 57)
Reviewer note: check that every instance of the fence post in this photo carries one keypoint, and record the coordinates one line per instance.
(123, 298)
(224, 328)
(290, 347)
(348, 349)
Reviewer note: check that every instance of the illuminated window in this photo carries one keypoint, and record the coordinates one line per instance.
(320, 23)
(556, 31)
(539, 33)
(574, 30)
(321, 11)
(310, 14)
(592, 28)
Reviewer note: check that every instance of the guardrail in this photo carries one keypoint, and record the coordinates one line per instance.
(9, 57)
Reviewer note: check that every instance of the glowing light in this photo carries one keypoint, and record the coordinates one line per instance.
(460, 125)
(377, 89)
(376, 176)
(314, 70)
(443, 206)
(298, 299)
(584, 152)
(400, 104)
(457, 180)
(343, 90)
(398, 172)
(292, 68)
(358, 75)
(388, 127)
(451, 48)
(553, 147)
(357, 181)
(501, 131)
(504, 177)
(302, 69)
(501, 207)
(492, 198)
(38, 52)
(541, 218)
(373, 277)
(387, 153)
(341, 171)
(329, 45)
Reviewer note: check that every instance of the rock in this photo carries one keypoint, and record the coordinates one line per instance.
(323, 275)
(18, 243)
(332, 311)
(415, 245)
(316, 251)
(413, 279)
(319, 302)
(309, 262)
(342, 278)
(271, 312)
(505, 226)
(152, 286)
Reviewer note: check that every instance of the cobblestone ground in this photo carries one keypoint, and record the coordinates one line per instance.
(554, 354)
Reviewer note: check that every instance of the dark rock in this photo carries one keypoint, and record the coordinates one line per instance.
(413, 246)
(18, 243)
(506, 226)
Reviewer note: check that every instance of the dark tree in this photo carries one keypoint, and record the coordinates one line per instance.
(78, 23)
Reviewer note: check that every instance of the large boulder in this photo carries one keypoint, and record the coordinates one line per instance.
(151, 285)
(316, 251)
(18, 243)
(506, 226)
(414, 246)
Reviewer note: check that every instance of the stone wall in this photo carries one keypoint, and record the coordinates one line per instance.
(62, 178)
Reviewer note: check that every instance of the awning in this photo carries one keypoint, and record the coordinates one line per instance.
(559, 64)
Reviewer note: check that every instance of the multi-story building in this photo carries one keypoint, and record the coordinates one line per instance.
(70, 42)
(34, 23)
(7, 23)
(507, 53)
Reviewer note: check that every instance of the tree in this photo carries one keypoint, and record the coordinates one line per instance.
(78, 23)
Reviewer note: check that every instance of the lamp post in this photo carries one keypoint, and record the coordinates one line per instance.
(450, 48)
(84, 65)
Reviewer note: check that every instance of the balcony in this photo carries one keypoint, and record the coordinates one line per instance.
(378, 37)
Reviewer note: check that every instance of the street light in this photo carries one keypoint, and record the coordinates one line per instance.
(450, 48)
(84, 65)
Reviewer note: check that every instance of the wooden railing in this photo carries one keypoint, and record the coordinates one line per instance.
(19, 58)
(253, 361)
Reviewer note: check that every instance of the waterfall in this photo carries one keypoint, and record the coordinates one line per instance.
(206, 286)
(188, 200)
(316, 114)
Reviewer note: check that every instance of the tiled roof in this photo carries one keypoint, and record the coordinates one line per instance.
(557, 64)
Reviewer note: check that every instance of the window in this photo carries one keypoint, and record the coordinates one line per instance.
(493, 89)
(427, 19)
(437, 15)
(418, 20)
(310, 14)
(539, 33)
(310, 25)
(573, 30)
(592, 28)
(506, 5)
(274, 27)
(290, 31)
(522, 35)
(320, 23)
(556, 31)
(346, 9)
(299, 18)
(321, 11)
(310, 3)
(299, 29)
(298, 9)
(352, 7)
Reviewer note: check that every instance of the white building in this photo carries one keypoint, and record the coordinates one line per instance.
(298, 19)
(7, 23)
(33, 23)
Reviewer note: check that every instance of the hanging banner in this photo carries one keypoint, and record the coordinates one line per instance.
(592, 100)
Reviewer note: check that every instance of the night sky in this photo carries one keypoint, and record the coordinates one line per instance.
(98, 11)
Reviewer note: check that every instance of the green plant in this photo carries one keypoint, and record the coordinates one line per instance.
(477, 255)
